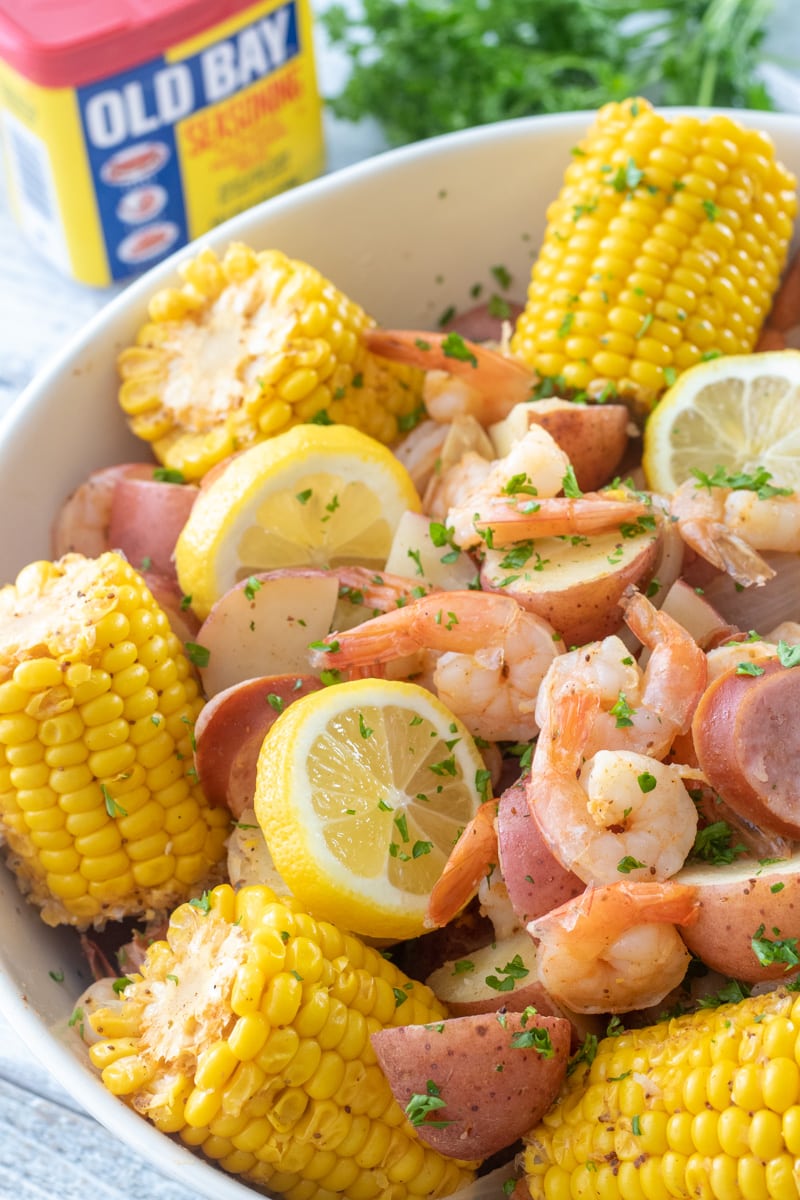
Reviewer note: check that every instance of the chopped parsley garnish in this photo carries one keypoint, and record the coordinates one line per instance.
(113, 808)
(779, 950)
(714, 844)
(757, 481)
(199, 656)
(421, 1105)
(454, 346)
(628, 863)
(622, 711)
(535, 1038)
(511, 972)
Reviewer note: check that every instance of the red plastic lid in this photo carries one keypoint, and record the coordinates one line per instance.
(66, 43)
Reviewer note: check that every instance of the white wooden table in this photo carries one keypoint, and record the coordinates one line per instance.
(48, 1145)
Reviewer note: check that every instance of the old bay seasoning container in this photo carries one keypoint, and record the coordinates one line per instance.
(132, 126)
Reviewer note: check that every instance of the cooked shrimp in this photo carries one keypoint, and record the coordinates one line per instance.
(463, 376)
(492, 655)
(535, 467)
(516, 496)
(473, 857)
(617, 812)
(615, 948)
(727, 526)
(642, 711)
(379, 590)
(519, 519)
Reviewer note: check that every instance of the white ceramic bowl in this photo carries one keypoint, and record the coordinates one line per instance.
(407, 234)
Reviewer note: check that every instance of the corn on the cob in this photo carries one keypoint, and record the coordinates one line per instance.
(99, 805)
(248, 1035)
(249, 346)
(664, 247)
(706, 1105)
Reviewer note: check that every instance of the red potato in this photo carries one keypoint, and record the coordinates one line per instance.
(741, 901)
(229, 732)
(480, 325)
(695, 614)
(594, 437)
(494, 1081)
(478, 982)
(747, 740)
(535, 881)
(146, 518)
(577, 588)
(81, 524)
(263, 626)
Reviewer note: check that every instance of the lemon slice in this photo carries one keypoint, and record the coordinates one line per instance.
(316, 495)
(362, 790)
(738, 412)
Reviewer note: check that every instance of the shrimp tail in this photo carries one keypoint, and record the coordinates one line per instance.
(375, 589)
(557, 517)
(606, 910)
(486, 370)
(666, 902)
(377, 640)
(726, 551)
(472, 858)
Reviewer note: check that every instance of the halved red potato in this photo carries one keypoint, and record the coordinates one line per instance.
(146, 517)
(414, 555)
(747, 739)
(230, 729)
(503, 974)
(535, 880)
(594, 437)
(748, 924)
(264, 624)
(694, 613)
(473, 1085)
(577, 588)
(81, 525)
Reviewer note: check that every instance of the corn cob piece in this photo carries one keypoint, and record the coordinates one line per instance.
(100, 809)
(706, 1105)
(249, 346)
(663, 248)
(247, 1034)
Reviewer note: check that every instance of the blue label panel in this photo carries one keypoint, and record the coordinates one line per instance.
(129, 124)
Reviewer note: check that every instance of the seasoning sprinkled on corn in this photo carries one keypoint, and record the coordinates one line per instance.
(663, 248)
(247, 347)
(247, 1034)
(100, 810)
(702, 1105)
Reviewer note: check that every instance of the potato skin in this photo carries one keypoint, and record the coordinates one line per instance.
(494, 1088)
(581, 601)
(747, 742)
(594, 438)
(535, 880)
(734, 902)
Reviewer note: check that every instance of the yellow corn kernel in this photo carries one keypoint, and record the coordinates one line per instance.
(683, 207)
(87, 762)
(310, 333)
(278, 1106)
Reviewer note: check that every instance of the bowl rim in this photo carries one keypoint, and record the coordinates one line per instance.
(165, 1153)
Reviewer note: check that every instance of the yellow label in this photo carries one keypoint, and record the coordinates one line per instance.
(110, 177)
